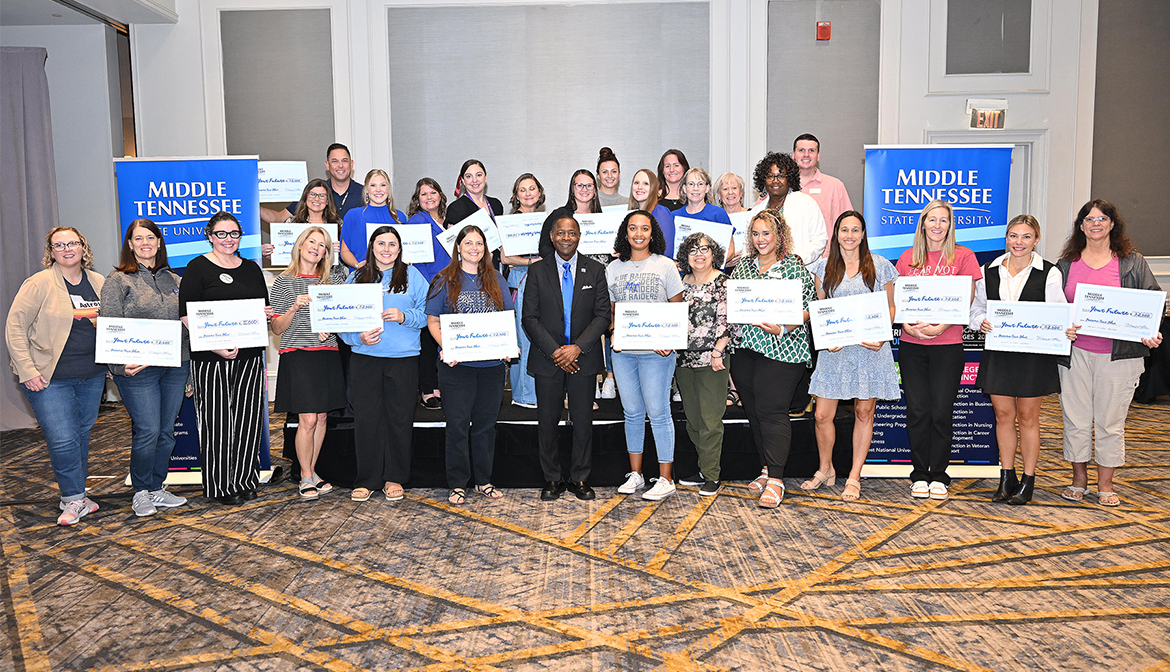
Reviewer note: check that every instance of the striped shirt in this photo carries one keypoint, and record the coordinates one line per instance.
(285, 290)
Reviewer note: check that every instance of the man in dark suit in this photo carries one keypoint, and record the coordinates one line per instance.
(566, 310)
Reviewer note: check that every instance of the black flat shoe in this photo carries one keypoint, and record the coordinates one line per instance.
(1007, 485)
(551, 490)
(581, 490)
(434, 403)
(230, 500)
(248, 495)
(1023, 494)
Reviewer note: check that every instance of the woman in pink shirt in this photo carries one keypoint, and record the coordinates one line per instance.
(1097, 381)
(930, 356)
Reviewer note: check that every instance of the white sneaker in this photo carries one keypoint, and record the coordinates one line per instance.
(634, 482)
(677, 396)
(522, 404)
(663, 488)
(938, 490)
(920, 490)
(75, 510)
(163, 499)
(142, 505)
(608, 389)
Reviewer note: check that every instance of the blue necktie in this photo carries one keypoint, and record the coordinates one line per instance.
(567, 297)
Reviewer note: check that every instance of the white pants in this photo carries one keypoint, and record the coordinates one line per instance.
(1094, 398)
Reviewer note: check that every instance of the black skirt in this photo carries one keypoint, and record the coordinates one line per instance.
(1017, 374)
(309, 381)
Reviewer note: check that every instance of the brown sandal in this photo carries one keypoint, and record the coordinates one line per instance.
(773, 494)
(393, 492)
(852, 490)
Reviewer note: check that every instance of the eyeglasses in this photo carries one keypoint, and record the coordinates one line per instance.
(583, 186)
(699, 249)
(61, 247)
(696, 184)
(227, 234)
(1096, 220)
(774, 177)
(316, 197)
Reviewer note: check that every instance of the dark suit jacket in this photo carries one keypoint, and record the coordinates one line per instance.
(543, 318)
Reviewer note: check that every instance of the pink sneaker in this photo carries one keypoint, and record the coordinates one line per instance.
(76, 510)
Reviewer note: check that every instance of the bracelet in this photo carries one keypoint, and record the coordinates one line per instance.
(717, 353)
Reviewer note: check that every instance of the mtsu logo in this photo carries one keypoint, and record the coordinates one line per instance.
(115, 328)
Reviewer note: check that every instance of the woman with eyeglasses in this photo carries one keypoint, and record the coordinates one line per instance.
(609, 175)
(701, 370)
(1098, 380)
(144, 287)
(309, 383)
(386, 370)
(428, 205)
(697, 188)
(769, 360)
(472, 391)
(230, 399)
(671, 168)
(527, 197)
(378, 209)
(930, 356)
(777, 178)
(51, 333)
(641, 274)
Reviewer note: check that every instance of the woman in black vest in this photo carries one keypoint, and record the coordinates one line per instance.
(1016, 381)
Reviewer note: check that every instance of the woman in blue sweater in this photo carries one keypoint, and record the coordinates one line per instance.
(697, 189)
(428, 205)
(378, 209)
(385, 369)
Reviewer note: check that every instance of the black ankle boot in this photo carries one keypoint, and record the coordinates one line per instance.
(1023, 495)
(1007, 485)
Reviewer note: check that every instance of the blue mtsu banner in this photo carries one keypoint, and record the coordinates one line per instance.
(901, 179)
(180, 195)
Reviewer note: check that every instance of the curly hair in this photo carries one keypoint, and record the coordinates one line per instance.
(415, 207)
(691, 242)
(779, 226)
(784, 162)
(86, 253)
(621, 245)
(1119, 242)
(515, 200)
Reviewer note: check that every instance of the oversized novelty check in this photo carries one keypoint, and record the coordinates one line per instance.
(123, 340)
(223, 325)
(1118, 312)
(480, 218)
(771, 301)
(416, 241)
(1029, 326)
(932, 299)
(650, 326)
(342, 308)
(478, 337)
(520, 233)
(850, 320)
(284, 237)
(599, 231)
(716, 231)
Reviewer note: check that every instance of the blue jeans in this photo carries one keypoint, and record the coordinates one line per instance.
(66, 410)
(152, 397)
(523, 385)
(643, 380)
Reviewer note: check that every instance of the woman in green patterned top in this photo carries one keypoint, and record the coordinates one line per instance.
(769, 359)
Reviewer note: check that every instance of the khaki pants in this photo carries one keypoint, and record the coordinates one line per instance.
(1094, 399)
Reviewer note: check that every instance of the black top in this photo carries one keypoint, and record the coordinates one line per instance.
(543, 316)
(463, 207)
(204, 280)
(672, 204)
(76, 360)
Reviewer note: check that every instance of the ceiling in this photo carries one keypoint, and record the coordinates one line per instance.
(40, 13)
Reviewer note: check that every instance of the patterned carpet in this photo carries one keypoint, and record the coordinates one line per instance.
(689, 583)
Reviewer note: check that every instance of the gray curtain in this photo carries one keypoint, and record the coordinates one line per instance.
(28, 195)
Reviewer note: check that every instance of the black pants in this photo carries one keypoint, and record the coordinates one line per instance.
(471, 402)
(550, 392)
(930, 380)
(428, 376)
(800, 395)
(383, 423)
(765, 388)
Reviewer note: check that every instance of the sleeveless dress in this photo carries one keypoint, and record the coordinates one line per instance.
(1017, 374)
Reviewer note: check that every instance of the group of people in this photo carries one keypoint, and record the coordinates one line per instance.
(564, 303)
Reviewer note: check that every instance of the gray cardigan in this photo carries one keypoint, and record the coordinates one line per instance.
(1135, 274)
(146, 296)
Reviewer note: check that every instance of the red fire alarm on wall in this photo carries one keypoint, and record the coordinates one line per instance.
(824, 30)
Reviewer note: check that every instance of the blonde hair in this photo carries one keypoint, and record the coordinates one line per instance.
(323, 264)
(718, 187)
(918, 260)
(1025, 219)
(779, 227)
(86, 253)
(701, 173)
(389, 191)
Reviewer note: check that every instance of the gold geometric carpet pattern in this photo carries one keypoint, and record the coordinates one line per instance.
(688, 583)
